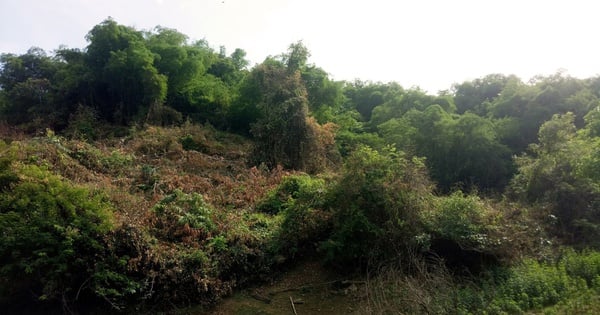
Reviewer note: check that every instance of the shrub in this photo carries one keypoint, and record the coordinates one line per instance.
(301, 230)
(96, 160)
(7, 177)
(584, 265)
(161, 115)
(296, 188)
(83, 124)
(533, 286)
(183, 216)
(299, 200)
(376, 206)
(148, 179)
(463, 219)
(189, 143)
(241, 254)
(53, 237)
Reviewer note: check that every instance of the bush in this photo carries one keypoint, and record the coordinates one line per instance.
(299, 201)
(53, 237)
(83, 124)
(96, 160)
(533, 286)
(183, 216)
(189, 143)
(463, 219)
(376, 206)
(553, 287)
(302, 229)
(296, 188)
(460, 218)
(584, 265)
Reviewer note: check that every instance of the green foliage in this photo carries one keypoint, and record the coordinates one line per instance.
(549, 287)
(592, 122)
(83, 124)
(293, 189)
(161, 115)
(583, 265)
(180, 214)
(299, 200)
(302, 228)
(148, 178)
(7, 176)
(188, 143)
(96, 160)
(376, 207)
(29, 87)
(296, 57)
(59, 241)
(323, 93)
(561, 175)
(365, 96)
(461, 219)
(349, 141)
(461, 151)
(53, 239)
(124, 78)
(477, 95)
(528, 286)
(533, 286)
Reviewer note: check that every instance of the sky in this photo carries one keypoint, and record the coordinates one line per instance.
(431, 44)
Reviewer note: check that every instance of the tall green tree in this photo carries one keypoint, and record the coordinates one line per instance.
(125, 81)
(324, 95)
(27, 82)
(296, 57)
(477, 95)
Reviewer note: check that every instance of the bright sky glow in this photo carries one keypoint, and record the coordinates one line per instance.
(426, 43)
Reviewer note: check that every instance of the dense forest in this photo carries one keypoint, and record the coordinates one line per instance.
(147, 172)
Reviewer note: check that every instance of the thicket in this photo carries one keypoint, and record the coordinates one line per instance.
(147, 171)
(54, 238)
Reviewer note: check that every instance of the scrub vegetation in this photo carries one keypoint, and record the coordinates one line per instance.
(147, 173)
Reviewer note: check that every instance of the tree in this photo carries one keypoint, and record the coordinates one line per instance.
(28, 83)
(281, 133)
(476, 95)
(460, 150)
(239, 59)
(125, 81)
(365, 96)
(562, 174)
(296, 57)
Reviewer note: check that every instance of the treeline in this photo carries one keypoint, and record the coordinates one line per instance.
(125, 77)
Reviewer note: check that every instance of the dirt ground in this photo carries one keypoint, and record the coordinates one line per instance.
(313, 289)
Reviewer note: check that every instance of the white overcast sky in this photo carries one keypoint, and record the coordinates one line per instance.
(426, 43)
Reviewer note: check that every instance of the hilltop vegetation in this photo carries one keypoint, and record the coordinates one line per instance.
(147, 172)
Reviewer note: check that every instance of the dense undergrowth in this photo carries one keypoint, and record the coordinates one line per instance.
(165, 218)
(134, 223)
(146, 173)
